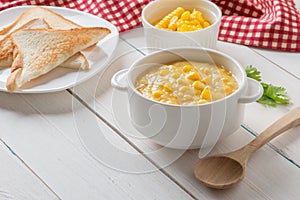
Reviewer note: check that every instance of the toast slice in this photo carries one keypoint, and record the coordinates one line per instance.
(53, 19)
(76, 62)
(38, 51)
(6, 46)
(49, 19)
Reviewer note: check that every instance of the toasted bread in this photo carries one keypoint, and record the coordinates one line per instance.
(77, 62)
(38, 51)
(6, 46)
(26, 20)
(53, 19)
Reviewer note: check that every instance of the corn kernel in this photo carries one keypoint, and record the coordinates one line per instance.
(187, 68)
(143, 82)
(195, 14)
(175, 75)
(206, 70)
(202, 101)
(164, 72)
(184, 88)
(187, 97)
(231, 84)
(172, 25)
(199, 27)
(183, 28)
(201, 19)
(206, 24)
(172, 67)
(188, 22)
(164, 22)
(229, 73)
(168, 87)
(157, 94)
(193, 76)
(198, 85)
(180, 81)
(192, 27)
(206, 94)
(207, 80)
(185, 15)
(227, 89)
(197, 93)
(225, 80)
(179, 22)
(178, 11)
(195, 22)
(179, 95)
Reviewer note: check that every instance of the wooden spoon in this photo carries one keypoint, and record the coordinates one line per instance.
(225, 170)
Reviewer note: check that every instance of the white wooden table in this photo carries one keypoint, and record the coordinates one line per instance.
(79, 143)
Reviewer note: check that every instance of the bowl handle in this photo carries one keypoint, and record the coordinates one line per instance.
(119, 80)
(254, 92)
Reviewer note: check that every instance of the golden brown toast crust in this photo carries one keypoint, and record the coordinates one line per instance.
(5, 30)
(15, 71)
(6, 46)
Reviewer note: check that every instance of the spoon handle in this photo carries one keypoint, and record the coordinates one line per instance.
(289, 120)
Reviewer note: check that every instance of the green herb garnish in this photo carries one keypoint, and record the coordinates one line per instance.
(273, 95)
(252, 72)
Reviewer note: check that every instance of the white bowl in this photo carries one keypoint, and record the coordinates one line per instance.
(187, 127)
(157, 38)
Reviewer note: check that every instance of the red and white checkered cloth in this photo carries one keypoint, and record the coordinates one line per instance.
(124, 14)
(273, 24)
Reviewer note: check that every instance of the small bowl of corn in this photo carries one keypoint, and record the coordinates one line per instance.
(177, 23)
(187, 97)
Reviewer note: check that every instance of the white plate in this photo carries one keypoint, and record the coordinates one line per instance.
(61, 78)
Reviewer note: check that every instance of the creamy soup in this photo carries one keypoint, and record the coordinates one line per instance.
(186, 83)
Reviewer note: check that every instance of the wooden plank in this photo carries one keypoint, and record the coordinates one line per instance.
(17, 181)
(44, 130)
(268, 175)
(112, 105)
(285, 60)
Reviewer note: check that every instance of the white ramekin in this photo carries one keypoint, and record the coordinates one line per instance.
(157, 39)
(187, 127)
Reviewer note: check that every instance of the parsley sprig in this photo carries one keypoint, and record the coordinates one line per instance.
(273, 95)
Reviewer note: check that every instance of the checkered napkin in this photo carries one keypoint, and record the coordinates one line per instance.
(124, 14)
(273, 24)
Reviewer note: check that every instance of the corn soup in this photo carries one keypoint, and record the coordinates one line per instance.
(186, 83)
